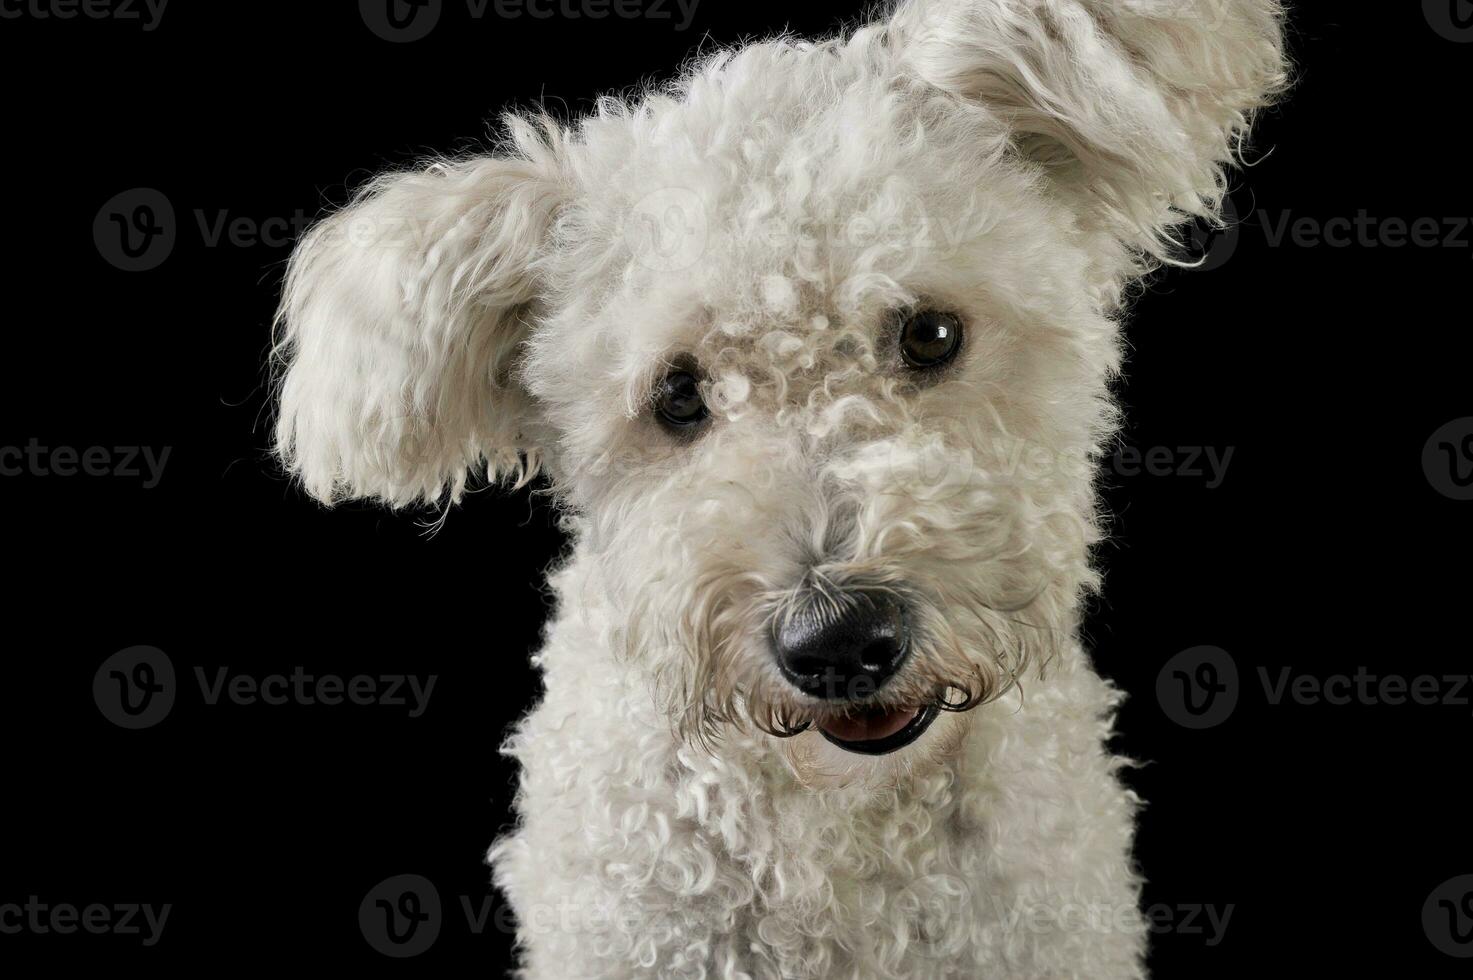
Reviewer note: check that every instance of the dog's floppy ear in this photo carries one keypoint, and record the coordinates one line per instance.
(400, 325)
(1133, 105)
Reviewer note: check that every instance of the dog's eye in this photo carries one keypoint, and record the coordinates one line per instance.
(678, 401)
(929, 339)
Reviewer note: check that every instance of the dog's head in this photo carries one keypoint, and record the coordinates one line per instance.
(814, 345)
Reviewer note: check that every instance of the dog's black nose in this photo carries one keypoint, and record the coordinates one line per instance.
(843, 654)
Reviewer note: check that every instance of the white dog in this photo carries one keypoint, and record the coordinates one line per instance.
(813, 348)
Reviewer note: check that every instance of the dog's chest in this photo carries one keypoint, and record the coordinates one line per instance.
(834, 885)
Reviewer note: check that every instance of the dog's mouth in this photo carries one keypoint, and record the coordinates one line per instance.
(878, 731)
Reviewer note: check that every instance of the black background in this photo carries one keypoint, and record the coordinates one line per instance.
(1324, 549)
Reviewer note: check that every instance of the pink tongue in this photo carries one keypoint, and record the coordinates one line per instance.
(869, 726)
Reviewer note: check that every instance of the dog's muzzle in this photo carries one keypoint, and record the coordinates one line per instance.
(841, 650)
(844, 650)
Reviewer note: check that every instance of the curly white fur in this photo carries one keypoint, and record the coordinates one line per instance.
(1017, 162)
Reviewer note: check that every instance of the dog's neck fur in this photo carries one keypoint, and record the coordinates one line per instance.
(774, 855)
